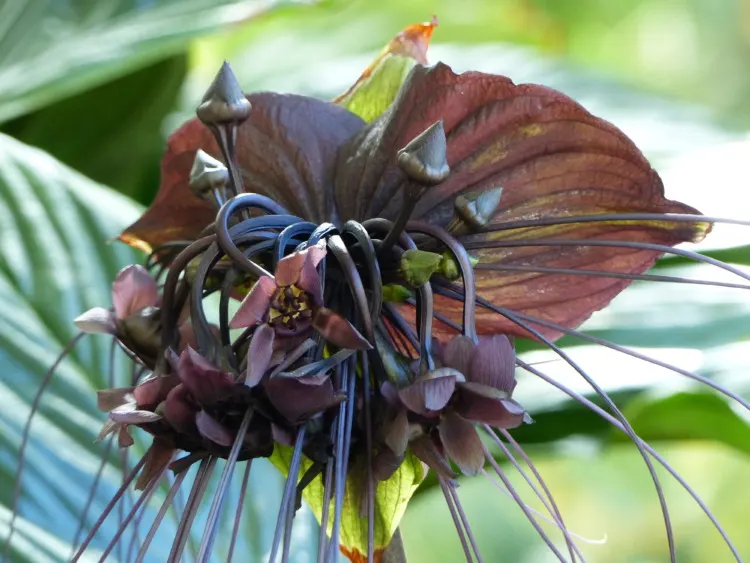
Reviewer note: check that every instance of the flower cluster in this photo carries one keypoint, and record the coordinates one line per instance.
(391, 258)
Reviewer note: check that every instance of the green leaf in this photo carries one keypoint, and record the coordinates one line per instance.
(50, 49)
(116, 126)
(391, 499)
(688, 416)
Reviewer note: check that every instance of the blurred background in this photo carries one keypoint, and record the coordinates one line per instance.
(89, 92)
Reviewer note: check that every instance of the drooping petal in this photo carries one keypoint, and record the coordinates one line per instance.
(488, 405)
(206, 383)
(154, 390)
(428, 395)
(338, 331)
(297, 401)
(109, 399)
(378, 85)
(180, 410)
(259, 354)
(461, 442)
(457, 353)
(493, 363)
(254, 308)
(133, 289)
(397, 434)
(550, 156)
(286, 150)
(158, 457)
(124, 439)
(213, 430)
(426, 450)
(97, 320)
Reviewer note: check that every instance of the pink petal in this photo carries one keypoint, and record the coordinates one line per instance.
(134, 289)
(309, 282)
(96, 321)
(213, 430)
(338, 331)
(109, 399)
(426, 396)
(259, 355)
(461, 443)
(254, 309)
(493, 363)
(153, 391)
(290, 267)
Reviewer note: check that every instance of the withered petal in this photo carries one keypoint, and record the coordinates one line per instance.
(133, 289)
(109, 399)
(286, 150)
(550, 156)
(461, 443)
(158, 457)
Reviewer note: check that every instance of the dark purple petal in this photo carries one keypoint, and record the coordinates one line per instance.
(286, 150)
(385, 463)
(213, 430)
(96, 321)
(109, 399)
(207, 383)
(425, 449)
(428, 395)
(296, 401)
(158, 457)
(134, 289)
(254, 308)
(493, 363)
(180, 410)
(338, 331)
(457, 353)
(259, 355)
(390, 393)
(488, 405)
(461, 443)
(397, 434)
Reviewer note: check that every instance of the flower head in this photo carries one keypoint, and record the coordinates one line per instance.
(353, 397)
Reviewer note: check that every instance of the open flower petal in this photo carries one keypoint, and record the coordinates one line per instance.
(426, 396)
(493, 363)
(286, 150)
(338, 331)
(134, 289)
(259, 354)
(461, 443)
(254, 307)
(550, 156)
(488, 405)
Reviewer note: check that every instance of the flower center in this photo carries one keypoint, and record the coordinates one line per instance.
(290, 308)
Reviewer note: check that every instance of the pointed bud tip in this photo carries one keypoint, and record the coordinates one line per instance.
(207, 175)
(477, 210)
(424, 159)
(224, 101)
